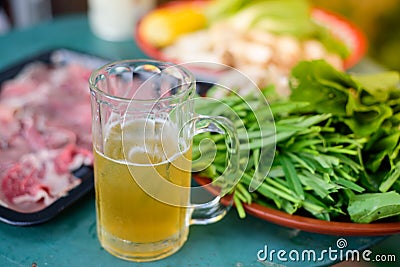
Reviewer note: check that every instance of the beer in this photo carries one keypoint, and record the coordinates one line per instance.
(126, 213)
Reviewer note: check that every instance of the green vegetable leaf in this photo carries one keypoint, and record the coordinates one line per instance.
(367, 120)
(377, 84)
(291, 176)
(366, 208)
(324, 87)
(390, 178)
(276, 16)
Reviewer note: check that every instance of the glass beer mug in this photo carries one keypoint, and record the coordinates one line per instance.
(143, 126)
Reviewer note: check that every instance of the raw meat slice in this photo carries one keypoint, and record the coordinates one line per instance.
(45, 132)
(44, 175)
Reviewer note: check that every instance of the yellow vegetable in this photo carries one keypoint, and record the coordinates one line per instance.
(163, 26)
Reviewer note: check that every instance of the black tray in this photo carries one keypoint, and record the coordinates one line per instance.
(52, 57)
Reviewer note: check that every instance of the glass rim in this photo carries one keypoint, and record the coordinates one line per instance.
(189, 85)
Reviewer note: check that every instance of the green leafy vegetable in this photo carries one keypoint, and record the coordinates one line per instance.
(370, 207)
(368, 106)
(336, 143)
(306, 173)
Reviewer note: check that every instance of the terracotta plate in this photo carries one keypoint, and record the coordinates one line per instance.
(309, 224)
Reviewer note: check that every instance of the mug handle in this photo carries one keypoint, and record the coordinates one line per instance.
(214, 209)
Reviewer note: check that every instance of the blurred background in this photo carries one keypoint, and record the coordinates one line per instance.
(380, 20)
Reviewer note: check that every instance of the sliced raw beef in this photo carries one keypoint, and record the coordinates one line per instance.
(44, 175)
(45, 132)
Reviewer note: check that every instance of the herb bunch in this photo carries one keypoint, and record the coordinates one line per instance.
(334, 144)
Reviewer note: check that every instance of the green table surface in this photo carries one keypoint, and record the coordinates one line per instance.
(70, 238)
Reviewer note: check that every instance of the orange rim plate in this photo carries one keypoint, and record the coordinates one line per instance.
(313, 225)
